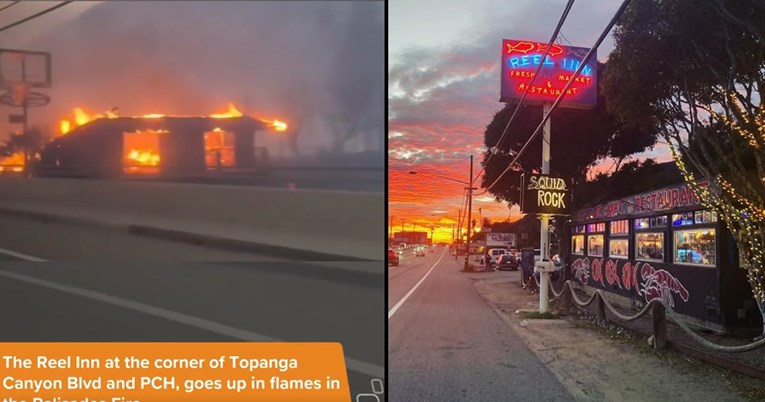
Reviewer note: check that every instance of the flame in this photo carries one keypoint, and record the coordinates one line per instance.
(65, 126)
(12, 163)
(279, 125)
(232, 112)
(81, 118)
(148, 158)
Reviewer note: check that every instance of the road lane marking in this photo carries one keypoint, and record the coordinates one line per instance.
(21, 256)
(406, 296)
(211, 326)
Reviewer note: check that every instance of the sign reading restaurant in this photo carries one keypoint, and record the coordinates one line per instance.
(520, 60)
(544, 194)
(655, 201)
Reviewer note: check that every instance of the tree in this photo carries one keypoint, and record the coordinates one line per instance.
(694, 71)
(34, 141)
(634, 177)
(578, 139)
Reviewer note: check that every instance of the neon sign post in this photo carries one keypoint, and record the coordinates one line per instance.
(557, 67)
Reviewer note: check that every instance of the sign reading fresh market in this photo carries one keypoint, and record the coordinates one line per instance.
(520, 60)
(544, 194)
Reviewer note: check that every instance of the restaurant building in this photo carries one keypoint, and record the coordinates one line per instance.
(664, 244)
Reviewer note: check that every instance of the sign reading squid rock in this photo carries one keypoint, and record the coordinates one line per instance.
(544, 194)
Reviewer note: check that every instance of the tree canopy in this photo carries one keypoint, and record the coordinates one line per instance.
(579, 138)
(694, 71)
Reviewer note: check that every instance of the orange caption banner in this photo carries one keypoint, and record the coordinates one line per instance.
(167, 372)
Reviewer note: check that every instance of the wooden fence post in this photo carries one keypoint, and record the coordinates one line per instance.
(568, 299)
(601, 306)
(659, 326)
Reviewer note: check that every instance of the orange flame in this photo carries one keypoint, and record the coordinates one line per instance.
(147, 158)
(232, 112)
(279, 125)
(81, 118)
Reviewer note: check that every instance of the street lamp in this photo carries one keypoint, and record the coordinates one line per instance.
(470, 189)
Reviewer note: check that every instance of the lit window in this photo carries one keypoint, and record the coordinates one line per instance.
(649, 246)
(619, 227)
(706, 216)
(683, 219)
(695, 246)
(595, 245)
(577, 244)
(617, 248)
(652, 222)
(596, 227)
(579, 229)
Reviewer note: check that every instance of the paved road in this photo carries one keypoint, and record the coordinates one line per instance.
(110, 286)
(446, 344)
(69, 242)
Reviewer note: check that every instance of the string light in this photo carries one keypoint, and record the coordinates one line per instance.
(743, 216)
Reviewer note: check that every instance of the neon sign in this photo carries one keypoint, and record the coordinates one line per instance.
(520, 60)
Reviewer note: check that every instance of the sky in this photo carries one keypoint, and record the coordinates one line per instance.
(443, 90)
(319, 66)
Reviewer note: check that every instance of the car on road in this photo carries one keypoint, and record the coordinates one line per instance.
(508, 261)
(495, 254)
(420, 252)
(393, 258)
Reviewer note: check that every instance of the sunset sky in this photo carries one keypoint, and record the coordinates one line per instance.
(443, 89)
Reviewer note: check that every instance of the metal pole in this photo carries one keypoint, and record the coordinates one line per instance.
(544, 276)
(390, 232)
(25, 135)
(469, 215)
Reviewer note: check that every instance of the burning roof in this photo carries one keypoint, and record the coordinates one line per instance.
(81, 118)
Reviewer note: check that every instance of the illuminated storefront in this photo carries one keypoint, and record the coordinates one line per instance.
(663, 244)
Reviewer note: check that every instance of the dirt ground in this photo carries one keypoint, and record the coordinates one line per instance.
(596, 364)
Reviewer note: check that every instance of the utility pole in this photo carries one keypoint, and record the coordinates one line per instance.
(543, 238)
(469, 215)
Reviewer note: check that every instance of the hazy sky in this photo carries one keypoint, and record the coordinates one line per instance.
(317, 65)
(443, 89)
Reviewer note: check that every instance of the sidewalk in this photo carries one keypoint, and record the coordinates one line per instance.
(594, 364)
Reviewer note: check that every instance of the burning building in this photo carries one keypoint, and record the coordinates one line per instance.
(167, 146)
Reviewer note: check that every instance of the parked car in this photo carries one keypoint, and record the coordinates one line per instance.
(393, 257)
(509, 262)
(495, 254)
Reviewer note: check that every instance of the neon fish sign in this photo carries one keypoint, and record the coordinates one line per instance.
(520, 60)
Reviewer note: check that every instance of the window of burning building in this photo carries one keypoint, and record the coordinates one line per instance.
(141, 151)
(220, 149)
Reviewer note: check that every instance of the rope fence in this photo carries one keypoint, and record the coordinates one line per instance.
(659, 309)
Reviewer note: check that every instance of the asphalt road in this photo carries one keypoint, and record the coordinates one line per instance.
(111, 286)
(446, 344)
(57, 241)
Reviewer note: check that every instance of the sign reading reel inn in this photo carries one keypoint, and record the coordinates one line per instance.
(545, 194)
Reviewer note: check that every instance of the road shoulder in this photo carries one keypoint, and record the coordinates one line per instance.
(596, 365)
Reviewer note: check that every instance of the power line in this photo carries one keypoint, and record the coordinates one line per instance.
(13, 3)
(563, 92)
(33, 16)
(565, 38)
(533, 77)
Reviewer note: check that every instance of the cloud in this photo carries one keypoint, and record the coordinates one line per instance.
(442, 97)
